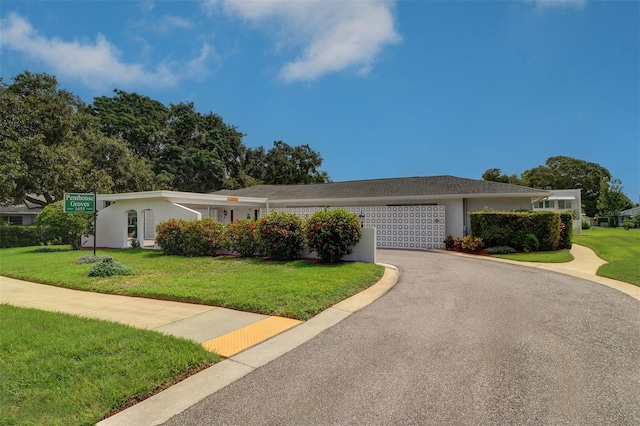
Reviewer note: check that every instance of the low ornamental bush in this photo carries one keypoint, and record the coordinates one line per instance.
(449, 242)
(628, 224)
(108, 267)
(202, 237)
(241, 237)
(471, 244)
(468, 243)
(332, 234)
(170, 236)
(190, 238)
(586, 225)
(281, 235)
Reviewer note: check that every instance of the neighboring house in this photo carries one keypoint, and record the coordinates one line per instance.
(21, 214)
(562, 200)
(629, 214)
(410, 213)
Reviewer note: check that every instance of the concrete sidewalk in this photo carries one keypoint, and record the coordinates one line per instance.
(220, 330)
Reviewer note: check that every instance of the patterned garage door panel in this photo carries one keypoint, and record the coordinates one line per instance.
(403, 227)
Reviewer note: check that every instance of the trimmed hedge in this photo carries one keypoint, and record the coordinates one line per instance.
(566, 231)
(19, 236)
(512, 229)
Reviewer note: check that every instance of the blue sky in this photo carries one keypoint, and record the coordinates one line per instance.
(380, 89)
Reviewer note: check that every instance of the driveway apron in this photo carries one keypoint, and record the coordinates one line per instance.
(458, 340)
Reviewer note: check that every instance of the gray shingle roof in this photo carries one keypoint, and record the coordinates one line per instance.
(384, 188)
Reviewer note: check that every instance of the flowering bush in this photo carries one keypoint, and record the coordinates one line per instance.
(280, 235)
(190, 238)
(332, 234)
(241, 237)
(170, 236)
(202, 237)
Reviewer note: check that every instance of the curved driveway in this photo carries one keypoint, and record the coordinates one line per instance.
(458, 340)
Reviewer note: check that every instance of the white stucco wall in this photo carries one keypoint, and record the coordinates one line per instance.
(112, 220)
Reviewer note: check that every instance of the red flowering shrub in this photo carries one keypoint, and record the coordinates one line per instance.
(242, 237)
(203, 237)
(170, 236)
(280, 235)
(332, 234)
(190, 238)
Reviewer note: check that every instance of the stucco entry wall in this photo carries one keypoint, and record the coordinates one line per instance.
(112, 224)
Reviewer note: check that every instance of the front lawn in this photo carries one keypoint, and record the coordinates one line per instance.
(298, 289)
(618, 247)
(59, 369)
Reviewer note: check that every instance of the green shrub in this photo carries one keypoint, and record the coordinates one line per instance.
(613, 222)
(19, 236)
(332, 234)
(55, 224)
(108, 267)
(241, 237)
(202, 237)
(500, 250)
(51, 249)
(170, 236)
(601, 220)
(586, 225)
(566, 231)
(281, 235)
(500, 228)
(629, 223)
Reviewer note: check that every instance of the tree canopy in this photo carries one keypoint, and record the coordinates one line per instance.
(51, 142)
(561, 172)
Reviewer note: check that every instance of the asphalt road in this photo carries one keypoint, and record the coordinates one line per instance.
(457, 341)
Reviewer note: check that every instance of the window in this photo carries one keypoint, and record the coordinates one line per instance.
(132, 224)
(14, 220)
(564, 204)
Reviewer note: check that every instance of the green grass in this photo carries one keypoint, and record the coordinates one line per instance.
(558, 256)
(618, 247)
(58, 369)
(298, 289)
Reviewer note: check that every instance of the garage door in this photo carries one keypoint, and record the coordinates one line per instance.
(398, 227)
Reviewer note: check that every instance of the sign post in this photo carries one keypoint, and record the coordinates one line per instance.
(83, 203)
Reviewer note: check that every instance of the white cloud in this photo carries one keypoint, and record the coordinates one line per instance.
(97, 64)
(330, 35)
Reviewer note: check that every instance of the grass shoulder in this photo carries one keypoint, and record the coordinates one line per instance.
(619, 247)
(59, 369)
(557, 256)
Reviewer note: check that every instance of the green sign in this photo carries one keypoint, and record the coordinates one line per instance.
(79, 203)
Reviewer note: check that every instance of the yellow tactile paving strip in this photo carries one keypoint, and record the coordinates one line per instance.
(231, 343)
